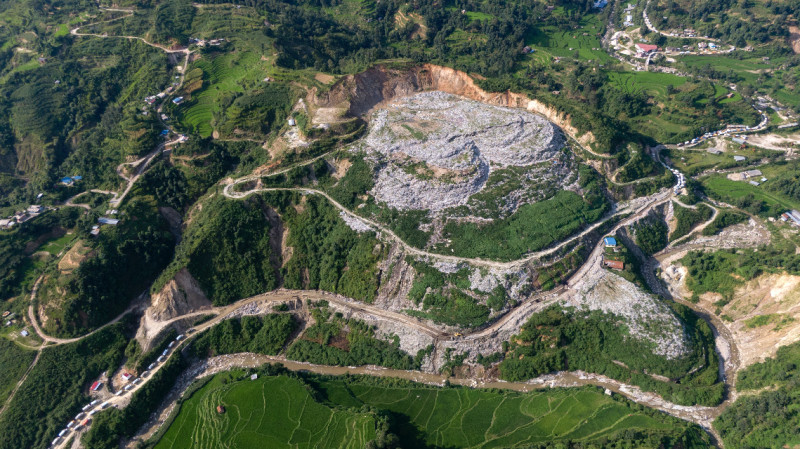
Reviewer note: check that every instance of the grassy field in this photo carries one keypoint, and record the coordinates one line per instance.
(14, 361)
(422, 416)
(748, 69)
(726, 188)
(693, 161)
(55, 246)
(270, 412)
(558, 42)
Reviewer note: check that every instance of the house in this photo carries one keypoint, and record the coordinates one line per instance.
(712, 46)
(600, 4)
(751, 174)
(6, 223)
(739, 158)
(615, 264)
(610, 242)
(755, 183)
(24, 332)
(35, 209)
(220, 409)
(96, 385)
(108, 221)
(177, 100)
(292, 121)
(67, 181)
(702, 45)
(254, 377)
(794, 215)
(739, 141)
(127, 376)
(646, 49)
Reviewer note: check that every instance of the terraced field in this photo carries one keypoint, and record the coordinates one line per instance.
(279, 409)
(477, 418)
(653, 83)
(271, 412)
(222, 77)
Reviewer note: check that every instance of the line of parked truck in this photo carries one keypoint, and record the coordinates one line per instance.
(83, 419)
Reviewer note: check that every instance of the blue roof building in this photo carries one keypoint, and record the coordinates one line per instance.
(610, 242)
(67, 181)
(77, 178)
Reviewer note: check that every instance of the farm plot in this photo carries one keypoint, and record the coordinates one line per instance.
(271, 412)
(217, 81)
(274, 410)
(652, 83)
(462, 417)
(585, 40)
(734, 191)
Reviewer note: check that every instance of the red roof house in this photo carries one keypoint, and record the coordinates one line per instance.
(646, 48)
(97, 385)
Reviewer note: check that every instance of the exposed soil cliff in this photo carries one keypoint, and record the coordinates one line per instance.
(361, 92)
(180, 296)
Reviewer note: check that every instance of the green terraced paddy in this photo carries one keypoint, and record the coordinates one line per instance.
(223, 76)
(654, 83)
(272, 411)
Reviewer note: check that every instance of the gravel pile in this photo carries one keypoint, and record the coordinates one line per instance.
(354, 223)
(455, 141)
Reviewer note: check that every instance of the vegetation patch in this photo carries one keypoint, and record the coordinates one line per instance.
(333, 340)
(260, 334)
(15, 361)
(54, 391)
(688, 219)
(767, 418)
(559, 339)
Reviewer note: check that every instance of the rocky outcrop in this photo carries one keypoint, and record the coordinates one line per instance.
(362, 92)
(179, 296)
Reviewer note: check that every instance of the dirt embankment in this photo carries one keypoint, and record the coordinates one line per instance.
(362, 92)
(180, 296)
(794, 38)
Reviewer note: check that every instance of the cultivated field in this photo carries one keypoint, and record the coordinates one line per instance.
(564, 43)
(271, 412)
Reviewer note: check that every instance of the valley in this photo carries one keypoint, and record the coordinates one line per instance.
(548, 249)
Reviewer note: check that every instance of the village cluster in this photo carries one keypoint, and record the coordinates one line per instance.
(83, 419)
(152, 99)
(22, 216)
